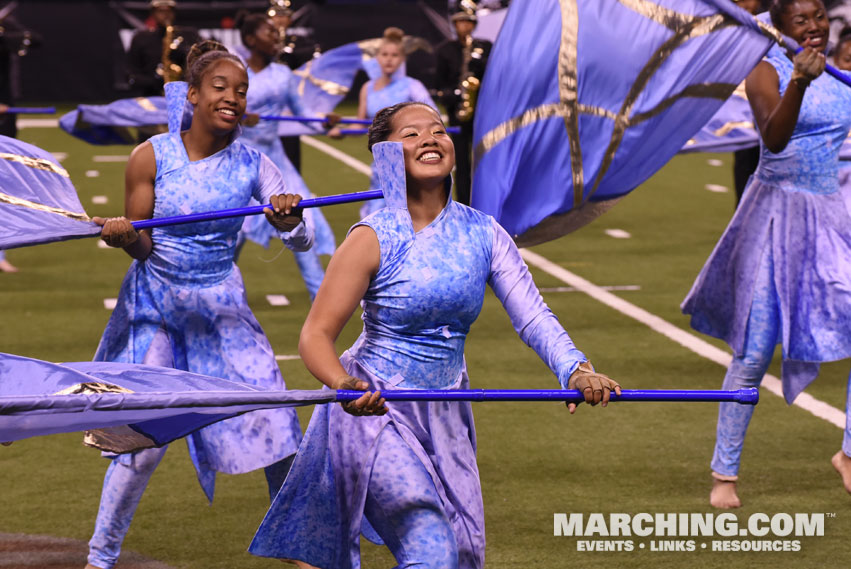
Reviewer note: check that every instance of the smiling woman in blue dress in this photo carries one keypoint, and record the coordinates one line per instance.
(419, 268)
(780, 273)
(182, 303)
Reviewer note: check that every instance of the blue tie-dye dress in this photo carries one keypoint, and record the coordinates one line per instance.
(792, 230)
(189, 292)
(418, 309)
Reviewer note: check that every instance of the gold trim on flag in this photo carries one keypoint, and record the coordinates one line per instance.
(329, 87)
(145, 103)
(12, 200)
(37, 163)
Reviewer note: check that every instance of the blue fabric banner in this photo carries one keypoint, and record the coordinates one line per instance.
(125, 121)
(583, 101)
(38, 203)
(322, 83)
(162, 404)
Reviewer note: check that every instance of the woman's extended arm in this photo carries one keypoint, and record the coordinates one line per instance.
(353, 265)
(777, 116)
(362, 100)
(138, 204)
(538, 327)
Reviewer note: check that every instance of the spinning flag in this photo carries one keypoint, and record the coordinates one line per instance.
(126, 121)
(583, 100)
(159, 404)
(730, 129)
(322, 82)
(38, 203)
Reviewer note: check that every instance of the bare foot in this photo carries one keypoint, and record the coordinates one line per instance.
(842, 463)
(7, 267)
(724, 494)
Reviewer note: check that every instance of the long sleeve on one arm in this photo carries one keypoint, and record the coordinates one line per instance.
(271, 183)
(537, 326)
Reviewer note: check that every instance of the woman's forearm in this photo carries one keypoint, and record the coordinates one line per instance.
(320, 357)
(783, 119)
(141, 248)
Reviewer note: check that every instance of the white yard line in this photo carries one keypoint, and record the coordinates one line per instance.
(805, 401)
(574, 289)
(285, 357)
(349, 161)
(277, 300)
(37, 123)
(111, 158)
(818, 408)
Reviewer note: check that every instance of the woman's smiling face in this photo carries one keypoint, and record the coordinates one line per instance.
(221, 98)
(429, 152)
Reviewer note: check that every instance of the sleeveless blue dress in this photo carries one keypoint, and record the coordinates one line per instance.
(190, 292)
(418, 309)
(793, 222)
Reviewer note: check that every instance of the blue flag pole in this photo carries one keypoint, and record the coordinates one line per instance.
(32, 110)
(312, 119)
(361, 131)
(745, 396)
(253, 210)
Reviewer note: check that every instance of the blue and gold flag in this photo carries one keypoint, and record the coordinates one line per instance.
(323, 82)
(583, 100)
(38, 203)
(730, 129)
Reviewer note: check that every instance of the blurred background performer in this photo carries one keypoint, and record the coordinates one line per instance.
(15, 41)
(182, 303)
(460, 67)
(159, 53)
(273, 91)
(392, 86)
(295, 51)
(745, 160)
(780, 273)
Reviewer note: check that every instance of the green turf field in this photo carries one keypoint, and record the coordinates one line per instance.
(535, 459)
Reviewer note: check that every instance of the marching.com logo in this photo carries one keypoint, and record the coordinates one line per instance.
(761, 531)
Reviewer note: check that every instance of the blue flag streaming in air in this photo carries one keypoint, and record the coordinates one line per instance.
(160, 404)
(322, 82)
(126, 121)
(38, 203)
(583, 100)
(730, 129)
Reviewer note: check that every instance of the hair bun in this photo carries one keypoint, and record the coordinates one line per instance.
(201, 48)
(394, 34)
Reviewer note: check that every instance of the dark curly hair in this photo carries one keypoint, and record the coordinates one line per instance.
(382, 126)
(202, 55)
(249, 25)
(778, 7)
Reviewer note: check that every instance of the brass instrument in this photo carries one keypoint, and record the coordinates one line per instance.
(470, 84)
(167, 69)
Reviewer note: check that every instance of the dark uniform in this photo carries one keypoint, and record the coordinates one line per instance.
(450, 62)
(145, 56)
(14, 39)
(297, 51)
